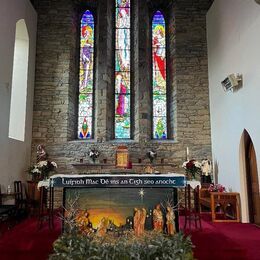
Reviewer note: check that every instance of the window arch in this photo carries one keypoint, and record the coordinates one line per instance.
(86, 77)
(122, 69)
(19, 82)
(159, 73)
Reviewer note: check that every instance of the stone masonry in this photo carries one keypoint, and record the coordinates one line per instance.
(56, 83)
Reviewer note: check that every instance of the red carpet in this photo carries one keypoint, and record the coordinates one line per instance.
(233, 241)
(225, 241)
(26, 241)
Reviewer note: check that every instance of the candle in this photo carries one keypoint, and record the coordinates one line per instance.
(187, 153)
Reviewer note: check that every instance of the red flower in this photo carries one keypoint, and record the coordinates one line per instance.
(190, 164)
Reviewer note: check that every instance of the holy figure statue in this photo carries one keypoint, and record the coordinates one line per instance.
(139, 221)
(158, 218)
(170, 217)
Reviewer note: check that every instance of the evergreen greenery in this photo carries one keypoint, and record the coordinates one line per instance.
(152, 246)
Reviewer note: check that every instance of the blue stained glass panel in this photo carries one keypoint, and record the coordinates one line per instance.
(122, 69)
(122, 127)
(123, 39)
(123, 3)
(159, 77)
(122, 105)
(159, 105)
(122, 60)
(122, 17)
(160, 127)
(85, 105)
(86, 84)
(122, 85)
(85, 127)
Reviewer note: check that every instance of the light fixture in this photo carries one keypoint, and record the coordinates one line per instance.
(232, 82)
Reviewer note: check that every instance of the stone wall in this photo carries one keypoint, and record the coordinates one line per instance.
(55, 103)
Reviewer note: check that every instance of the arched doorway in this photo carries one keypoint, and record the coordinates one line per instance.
(252, 182)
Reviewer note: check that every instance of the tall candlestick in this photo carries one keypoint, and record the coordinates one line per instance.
(187, 153)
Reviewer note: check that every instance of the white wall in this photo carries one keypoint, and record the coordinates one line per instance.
(234, 47)
(15, 155)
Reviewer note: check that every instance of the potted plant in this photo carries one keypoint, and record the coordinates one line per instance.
(192, 168)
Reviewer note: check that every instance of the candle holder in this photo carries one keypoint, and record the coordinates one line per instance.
(187, 154)
(162, 160)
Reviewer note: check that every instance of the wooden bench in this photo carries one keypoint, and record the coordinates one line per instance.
(224, 206)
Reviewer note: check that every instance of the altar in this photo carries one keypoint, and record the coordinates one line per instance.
(116, 197)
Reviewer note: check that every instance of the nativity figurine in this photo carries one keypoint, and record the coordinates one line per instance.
(158, 218)
(102, 227)
(170, 221)
(139, 221)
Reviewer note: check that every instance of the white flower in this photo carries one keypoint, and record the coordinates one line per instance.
(54, 164)
(184, 164)
(42, 163)
(152, 154)
(93, 154)
(36, 170)
(197, 164)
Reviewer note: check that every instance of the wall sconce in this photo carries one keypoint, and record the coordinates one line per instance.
(232, 82)
(257, 1)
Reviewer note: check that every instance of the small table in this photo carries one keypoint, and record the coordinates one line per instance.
(11, 194)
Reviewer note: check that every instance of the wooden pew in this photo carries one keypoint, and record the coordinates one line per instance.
(224, 206)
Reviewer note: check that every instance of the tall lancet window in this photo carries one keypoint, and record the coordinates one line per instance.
(122, 70)
(159, 90)
(86, 75)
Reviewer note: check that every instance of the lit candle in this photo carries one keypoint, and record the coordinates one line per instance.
(187, 153)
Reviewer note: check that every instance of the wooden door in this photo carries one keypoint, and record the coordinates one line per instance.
(253, 186)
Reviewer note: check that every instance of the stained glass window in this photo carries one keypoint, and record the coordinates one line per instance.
(122, 70)
(159, 77)
(86, 86)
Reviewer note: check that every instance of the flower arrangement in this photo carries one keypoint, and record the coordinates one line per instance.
(151, 155)
(192, 168)
(216, 188)
(42, 169)
(93, 154)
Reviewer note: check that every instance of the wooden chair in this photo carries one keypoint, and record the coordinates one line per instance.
(7, 213)
(20, 200)
(46, 207)
(192, 210)
(33, 198)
